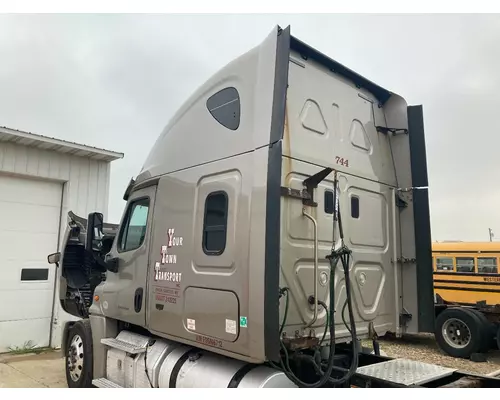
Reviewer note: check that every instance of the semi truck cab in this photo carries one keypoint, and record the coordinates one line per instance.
(281, 216)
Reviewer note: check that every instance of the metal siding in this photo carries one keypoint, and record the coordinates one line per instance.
(85, 189)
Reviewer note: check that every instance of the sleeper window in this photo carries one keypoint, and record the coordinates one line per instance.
(224, 106)
(329, 206)
(215, 223)
(134, 231)
(355, 207)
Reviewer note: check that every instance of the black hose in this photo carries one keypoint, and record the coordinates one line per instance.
(323, 304)
(343, 254)
(329, 369)
(284, 291)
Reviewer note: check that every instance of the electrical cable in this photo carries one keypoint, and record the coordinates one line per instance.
(343, 315)
(146, 363)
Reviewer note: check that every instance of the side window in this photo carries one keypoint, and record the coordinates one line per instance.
(225, 107)
(329, 206)
(465, 264)
(355, 207)
(444, 264)
(487, 265)
(215, 223)
(134, 229)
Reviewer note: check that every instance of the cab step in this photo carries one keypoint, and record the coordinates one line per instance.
(123, 346)
(405, 372)
(104, 383)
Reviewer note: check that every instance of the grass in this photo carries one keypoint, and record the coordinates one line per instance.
(28, 348)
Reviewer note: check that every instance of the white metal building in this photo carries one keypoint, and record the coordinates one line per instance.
(41, 179)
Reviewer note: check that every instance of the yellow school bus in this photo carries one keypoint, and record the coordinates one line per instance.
(467, 272)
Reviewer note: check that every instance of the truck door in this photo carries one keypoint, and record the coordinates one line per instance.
(123, 293)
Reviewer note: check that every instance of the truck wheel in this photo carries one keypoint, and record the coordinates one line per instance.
(459, 332)
(78, 353)
(489, 331)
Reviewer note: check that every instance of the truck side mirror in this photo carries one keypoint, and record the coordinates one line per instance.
(95, 225)
(54, 258)
(112, 265)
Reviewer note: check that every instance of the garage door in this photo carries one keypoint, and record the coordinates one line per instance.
(29, 226)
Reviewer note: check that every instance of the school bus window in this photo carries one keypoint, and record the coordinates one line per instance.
(487, 265)
(444, 264)
(465, 264)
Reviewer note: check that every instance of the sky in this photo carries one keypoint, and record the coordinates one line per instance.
(113, 81)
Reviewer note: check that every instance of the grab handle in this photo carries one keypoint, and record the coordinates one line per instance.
(316, 267)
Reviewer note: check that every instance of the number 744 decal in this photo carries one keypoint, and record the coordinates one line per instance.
(342, 161)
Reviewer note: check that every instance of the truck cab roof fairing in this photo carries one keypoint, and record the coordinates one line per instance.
(263, 61)
(309, 52)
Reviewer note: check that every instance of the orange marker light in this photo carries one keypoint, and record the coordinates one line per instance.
(96, 298)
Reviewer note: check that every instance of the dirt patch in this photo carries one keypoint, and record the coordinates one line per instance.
(423, 347)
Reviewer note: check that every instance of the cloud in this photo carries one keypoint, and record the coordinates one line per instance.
(115, 80)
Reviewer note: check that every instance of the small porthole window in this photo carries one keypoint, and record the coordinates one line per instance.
(355, 207)
(329, 206)
(225, 107)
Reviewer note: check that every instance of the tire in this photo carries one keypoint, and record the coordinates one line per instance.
(79, 355)
(459, 332)
(489, 331)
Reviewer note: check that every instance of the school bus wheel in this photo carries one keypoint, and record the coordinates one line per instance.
(459, 332)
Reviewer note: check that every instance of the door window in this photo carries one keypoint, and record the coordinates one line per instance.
(134, 228)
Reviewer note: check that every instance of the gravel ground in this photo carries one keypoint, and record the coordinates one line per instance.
(424, 348)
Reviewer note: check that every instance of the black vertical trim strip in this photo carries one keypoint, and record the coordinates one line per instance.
(280, 85)
(272, 260)
(417, 147)
(421, 215)
(273, 199)
(425, 284)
